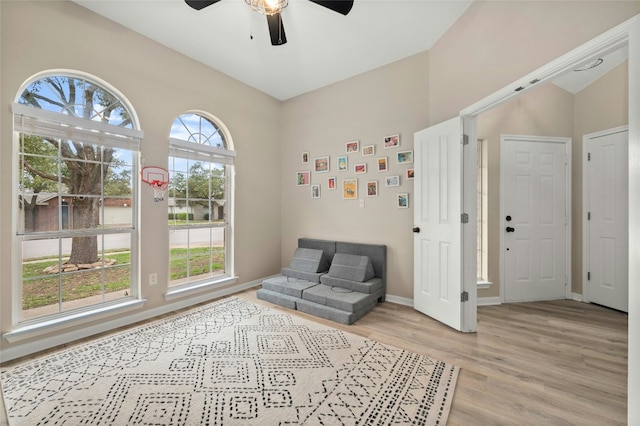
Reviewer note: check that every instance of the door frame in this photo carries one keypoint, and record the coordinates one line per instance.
(585, 197)
(567, 234)
(626, 33)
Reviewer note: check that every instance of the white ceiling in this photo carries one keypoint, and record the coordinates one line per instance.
(322, 46)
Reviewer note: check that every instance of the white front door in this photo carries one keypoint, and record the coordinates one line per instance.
(437, 222)
(606, 259)
(535, 217)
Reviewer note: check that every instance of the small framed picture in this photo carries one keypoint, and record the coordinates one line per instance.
(410, 174)
(382, 164)
(350, 189)
(315, 191)
(368, 150)
(305, 157)
(392, 180)
(392, 141)
(303, 178)
(405, 157)
(360, 168)
(372, 188)
(331, 183)
(353, 146)
(342, 164)
(321, 164)
(403, 200)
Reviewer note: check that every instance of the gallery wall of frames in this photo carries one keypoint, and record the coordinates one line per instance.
(360, 170)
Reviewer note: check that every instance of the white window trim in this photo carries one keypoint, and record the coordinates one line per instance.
(63, 320)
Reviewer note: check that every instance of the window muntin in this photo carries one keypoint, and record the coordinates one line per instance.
(76, 232)
(199, 211)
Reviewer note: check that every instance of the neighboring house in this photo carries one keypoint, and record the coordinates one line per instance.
(43, 216)
(199, 212)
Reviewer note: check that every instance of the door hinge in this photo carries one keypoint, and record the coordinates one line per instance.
(464, 296)
(588, 276)
(464, 218)
(588, 156)
(588, 215)
(465, 139)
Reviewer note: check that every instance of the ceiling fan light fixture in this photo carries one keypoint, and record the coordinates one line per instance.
(268, 7)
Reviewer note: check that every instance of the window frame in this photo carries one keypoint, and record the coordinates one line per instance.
(194, 151)
(482, 218)
(30, 120)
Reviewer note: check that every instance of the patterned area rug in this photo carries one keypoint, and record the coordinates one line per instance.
(231, 362)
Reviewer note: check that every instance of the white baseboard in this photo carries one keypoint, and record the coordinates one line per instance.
(578, 297)
(399, 300)
(482, 301)
(71, 336)
(488, 301)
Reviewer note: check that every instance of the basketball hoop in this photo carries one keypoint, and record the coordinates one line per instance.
(158, 179)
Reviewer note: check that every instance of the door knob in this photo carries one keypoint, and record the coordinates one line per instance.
(510, 229)
(416, 229)
(508, 218)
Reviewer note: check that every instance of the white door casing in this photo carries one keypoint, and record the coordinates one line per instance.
(437, 222)
(606, 218)
(535, 206)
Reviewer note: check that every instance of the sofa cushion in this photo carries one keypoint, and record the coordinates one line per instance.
(339, 298)
(351, 267)
(301, 275)
(309, 260)
(371, 286)
(286, 285)
(330, 313)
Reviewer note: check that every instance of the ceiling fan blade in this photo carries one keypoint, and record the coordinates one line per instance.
(276, 29)
(200, 4)
(340, 6)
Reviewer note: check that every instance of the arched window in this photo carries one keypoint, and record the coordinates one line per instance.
(200, 202)
(78, 143)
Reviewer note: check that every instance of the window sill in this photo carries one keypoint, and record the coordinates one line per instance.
(34, 329)
(483, 284)
(197, 288)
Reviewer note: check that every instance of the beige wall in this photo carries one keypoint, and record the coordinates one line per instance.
(385, 101)
(160, 84)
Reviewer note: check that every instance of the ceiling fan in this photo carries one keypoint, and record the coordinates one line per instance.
(273, 8)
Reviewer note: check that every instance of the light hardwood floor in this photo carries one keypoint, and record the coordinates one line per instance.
(544, 363)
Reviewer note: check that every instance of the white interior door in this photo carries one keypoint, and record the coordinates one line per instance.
(535, 217)
(606, 260)
(437, 218)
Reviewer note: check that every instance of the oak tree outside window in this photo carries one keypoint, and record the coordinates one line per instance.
(76, 196)
(200, 206)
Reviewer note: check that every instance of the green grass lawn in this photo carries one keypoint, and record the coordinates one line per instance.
(39, 289)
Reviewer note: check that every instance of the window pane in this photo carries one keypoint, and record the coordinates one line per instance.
(196, 254)
(51, 283)
(198, 129)
(77, 97)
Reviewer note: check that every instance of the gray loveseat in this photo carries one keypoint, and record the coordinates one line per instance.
(336, 280)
